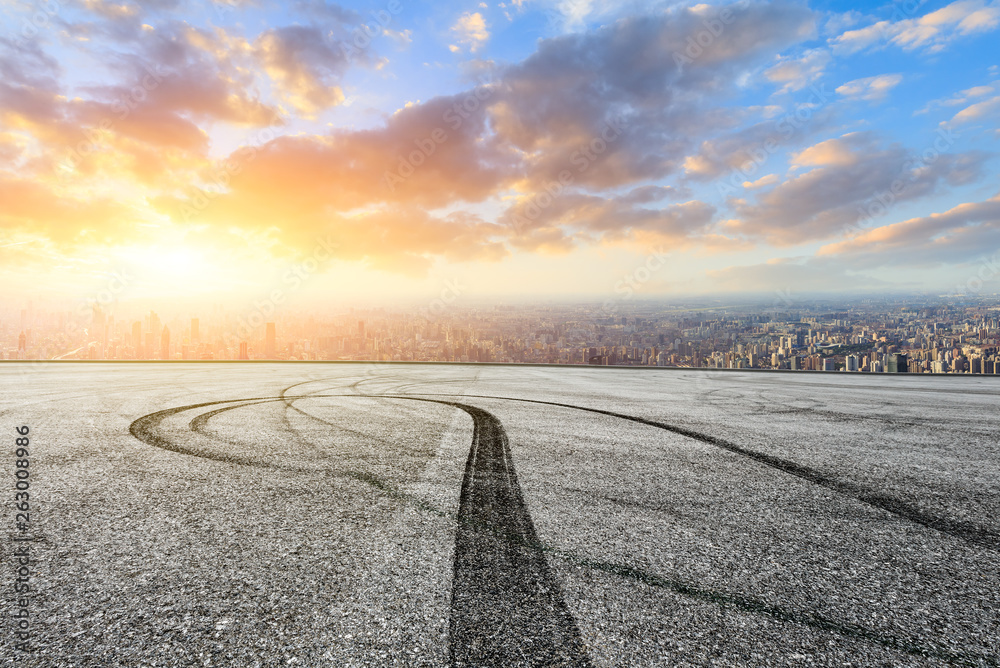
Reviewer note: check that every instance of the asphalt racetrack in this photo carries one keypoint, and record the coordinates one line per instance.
(436, 515)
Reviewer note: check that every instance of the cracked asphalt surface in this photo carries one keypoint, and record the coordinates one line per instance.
(433, 515)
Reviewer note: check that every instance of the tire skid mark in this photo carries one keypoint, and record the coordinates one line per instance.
(506, 607)
(900, 387)
(144, 429)
(290, 405)
(966, 531)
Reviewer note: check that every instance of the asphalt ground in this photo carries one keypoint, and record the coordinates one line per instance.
(431, 515)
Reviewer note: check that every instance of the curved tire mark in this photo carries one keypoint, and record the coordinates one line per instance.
(144, 429)
(506, 607)
(966, 531)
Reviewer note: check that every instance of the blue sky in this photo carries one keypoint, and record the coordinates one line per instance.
(760, 147)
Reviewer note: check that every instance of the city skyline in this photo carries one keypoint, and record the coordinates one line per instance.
(224, 150)
(857, 335)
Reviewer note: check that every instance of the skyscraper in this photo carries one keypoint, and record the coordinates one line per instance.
(153, 325)
(165, 344)
(244, 351)
(270, 342)
(898, 363)
(195, 334)
(137, 339)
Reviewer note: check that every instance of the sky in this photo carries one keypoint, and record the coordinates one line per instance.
(369, 151)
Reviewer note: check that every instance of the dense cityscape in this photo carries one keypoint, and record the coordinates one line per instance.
(871, 335)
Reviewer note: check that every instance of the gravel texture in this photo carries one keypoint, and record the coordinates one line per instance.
(432, 515)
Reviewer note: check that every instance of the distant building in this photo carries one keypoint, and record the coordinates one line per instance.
(270, 342)
(137, 339)
(195, 333)
(851, 364)
(244, 351)
(898, 363)
(165, 344)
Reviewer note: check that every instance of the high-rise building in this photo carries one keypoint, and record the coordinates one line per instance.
(244, 351)
(270, 342)
(153, 326)
(137, 339)
(195, 334)
(851, 363)
(898, 363)
(165, 344)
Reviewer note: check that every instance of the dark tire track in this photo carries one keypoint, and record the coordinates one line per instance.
(145, 428)
(966, 531)
(506, 608)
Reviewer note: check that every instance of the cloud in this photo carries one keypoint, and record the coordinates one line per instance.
(39, 209)
(981, 110)
(932, 32)
(573, 218)
(769, 179)
(872, 89)
(743, 152)
(964, 97)
(829, 153)
(957, 236)
(792, 274)
(633, 75)
(305, 66)
(470, 30)
(850, 175)
(797, 73)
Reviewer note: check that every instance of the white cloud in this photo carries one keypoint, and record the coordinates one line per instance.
(797, 73)
(963, 97)
(931, 32)
(873, 89)
(471, 31)
(985, 109)
(770, 179)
